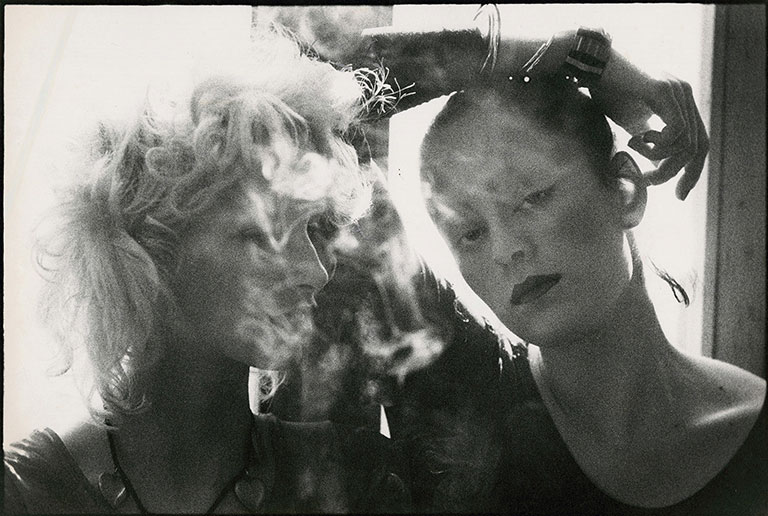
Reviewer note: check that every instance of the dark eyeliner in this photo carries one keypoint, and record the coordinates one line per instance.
(539, 197)
(476, 233)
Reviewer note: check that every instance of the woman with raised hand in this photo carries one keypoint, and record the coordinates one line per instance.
(603, 415)
(538, 207)
(189, 247)
(431, 63)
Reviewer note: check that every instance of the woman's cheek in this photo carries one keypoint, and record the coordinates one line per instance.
(209, 288)
(590, 247)
(209, 277)
(579, 228)
(468, 265)
(480, 276)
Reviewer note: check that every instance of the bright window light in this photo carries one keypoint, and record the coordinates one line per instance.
(63, 64)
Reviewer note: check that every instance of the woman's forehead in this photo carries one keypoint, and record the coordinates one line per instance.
(249, 202)
(277, 207)
(504, 169)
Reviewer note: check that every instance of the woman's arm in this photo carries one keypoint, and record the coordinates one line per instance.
(630, 97)
(439, 62)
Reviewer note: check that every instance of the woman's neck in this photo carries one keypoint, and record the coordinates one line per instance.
(608, 381)
(195, 434)
(198, 392)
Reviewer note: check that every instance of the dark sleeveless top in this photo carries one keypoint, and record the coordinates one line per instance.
(494, 448)
(316, 467)
(538, 475)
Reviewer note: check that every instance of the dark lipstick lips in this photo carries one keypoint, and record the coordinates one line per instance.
(533, 288)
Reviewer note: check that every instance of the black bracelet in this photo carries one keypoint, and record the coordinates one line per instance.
(587, 58)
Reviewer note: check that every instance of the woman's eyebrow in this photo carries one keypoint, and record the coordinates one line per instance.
(499, 188)
(493, 190)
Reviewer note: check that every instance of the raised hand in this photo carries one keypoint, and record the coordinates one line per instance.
(630, 97)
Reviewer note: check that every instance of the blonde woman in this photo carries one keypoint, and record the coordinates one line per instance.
(189, 248)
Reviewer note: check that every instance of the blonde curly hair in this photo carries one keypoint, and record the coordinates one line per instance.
(272, 114)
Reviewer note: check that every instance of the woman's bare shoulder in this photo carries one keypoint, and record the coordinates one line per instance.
(726, 402)
(719, 404)
(727, 388)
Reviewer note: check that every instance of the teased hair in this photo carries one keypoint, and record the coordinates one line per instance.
(272, 115)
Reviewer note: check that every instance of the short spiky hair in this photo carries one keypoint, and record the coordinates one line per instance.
(272, 115)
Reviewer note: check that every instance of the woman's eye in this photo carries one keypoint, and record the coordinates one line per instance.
(538, 198)
(322, 226)
(255, 236)
(472, 236)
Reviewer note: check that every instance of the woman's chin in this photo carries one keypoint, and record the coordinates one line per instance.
(271, 363)
(543, 331)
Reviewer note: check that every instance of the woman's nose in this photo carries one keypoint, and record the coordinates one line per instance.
(306, 266)
(508, 249)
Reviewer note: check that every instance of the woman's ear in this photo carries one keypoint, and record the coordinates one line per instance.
(632, 187)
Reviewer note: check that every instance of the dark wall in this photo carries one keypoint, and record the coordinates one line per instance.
(736, 254)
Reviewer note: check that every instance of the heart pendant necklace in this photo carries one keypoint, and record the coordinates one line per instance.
(116, 486)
